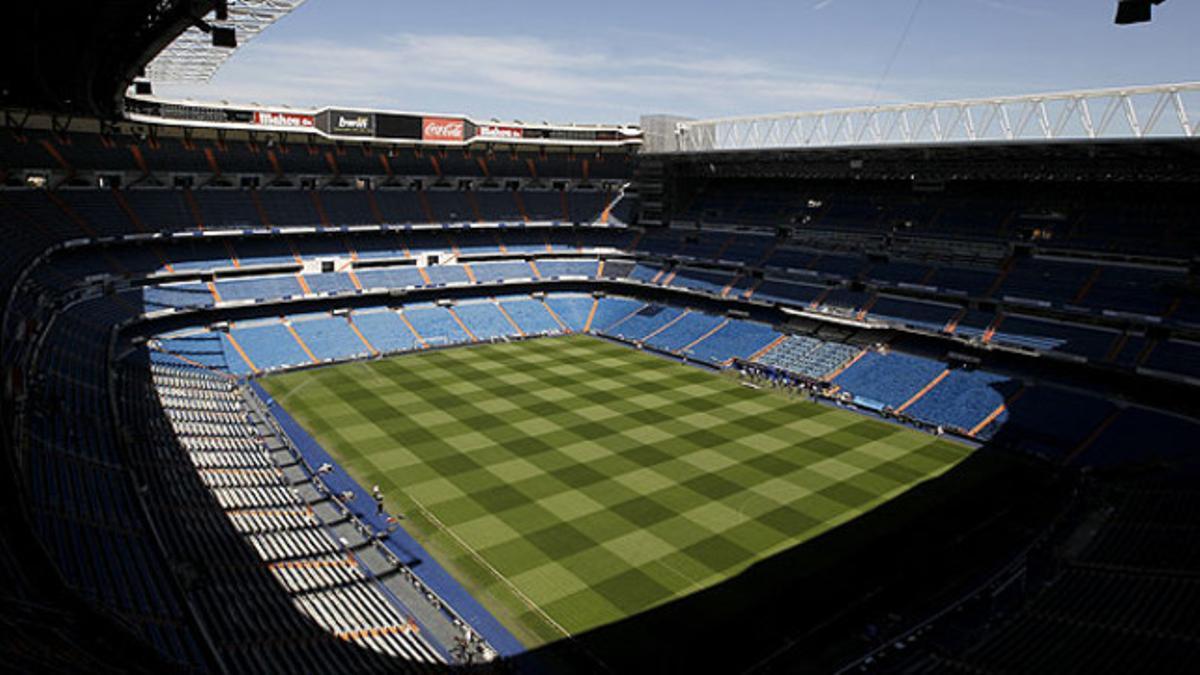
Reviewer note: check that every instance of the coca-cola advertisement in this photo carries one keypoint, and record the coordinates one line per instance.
(494, 131)
(285, 120)
(443, 129)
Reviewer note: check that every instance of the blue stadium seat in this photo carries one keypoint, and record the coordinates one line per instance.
(964, 399)
(329, 338)
(390, 277)
(336, 282)
(265, 288)
(612, 310)
(649, 319)
(573, 309)
(809, 357)
(568, 268)
(531, 316)
(269, 346)
(914, 313)
(889, 379)
(484, 320)
(448, 274)
(685, 331)
(435, 325)
(738, 339)
(384, 329)
(501, 271)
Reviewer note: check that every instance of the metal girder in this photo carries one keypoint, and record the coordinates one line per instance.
(1159, 111)
(193, 58)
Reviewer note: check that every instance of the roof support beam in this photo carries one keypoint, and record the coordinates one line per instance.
(1128, 113)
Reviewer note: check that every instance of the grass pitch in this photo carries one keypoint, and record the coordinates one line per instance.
(571, 482)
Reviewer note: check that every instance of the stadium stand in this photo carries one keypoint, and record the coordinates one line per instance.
(574, 310)
(280, 535)
(385, 330)
(889, 380)
(647, 321)
(809, 357)
(485, 321)
(328, 338)
(531, 316)
(689, 328)
(167, 502)
(735, 340)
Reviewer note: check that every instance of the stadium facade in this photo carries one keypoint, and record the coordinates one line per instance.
(1016, 276)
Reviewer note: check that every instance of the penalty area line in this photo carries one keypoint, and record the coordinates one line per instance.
(503, 579)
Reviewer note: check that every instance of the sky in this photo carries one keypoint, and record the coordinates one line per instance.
(615, 60)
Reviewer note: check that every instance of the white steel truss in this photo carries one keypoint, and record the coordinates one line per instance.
(1168, 110)
(192, 56)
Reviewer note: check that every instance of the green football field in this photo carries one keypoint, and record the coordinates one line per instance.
(571, 482)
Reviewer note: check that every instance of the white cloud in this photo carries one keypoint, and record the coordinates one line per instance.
(526, 77)
(1016, 8)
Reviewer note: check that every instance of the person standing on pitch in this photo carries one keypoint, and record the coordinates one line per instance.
(378, 500)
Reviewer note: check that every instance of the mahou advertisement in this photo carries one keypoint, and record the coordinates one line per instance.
(287, 120)
(493, 131)
(443, 129)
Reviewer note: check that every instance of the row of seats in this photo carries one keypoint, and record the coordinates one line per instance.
(83, 502)
(1107, 223)
(308, 339)
(93, 152)
(809, 357)
(92, 212)
(1080, 286)
(279, 590)
(1096, 344)
(1123, 602)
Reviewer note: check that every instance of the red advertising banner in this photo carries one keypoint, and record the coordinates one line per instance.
(442, 129)
(289, 120)
(493, 131)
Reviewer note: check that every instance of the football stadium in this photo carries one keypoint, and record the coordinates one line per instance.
(896, 388)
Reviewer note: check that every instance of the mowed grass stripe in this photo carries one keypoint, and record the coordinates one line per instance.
(597, 480)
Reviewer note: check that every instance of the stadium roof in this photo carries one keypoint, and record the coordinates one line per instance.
(78, 56)
(192, 56)
(1159, 111)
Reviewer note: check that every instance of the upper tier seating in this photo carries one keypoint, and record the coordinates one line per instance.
(914, 313)
(550, 269)
(231, 207)
(1176, 356)
(502, 271)
(701, 280)
(1093, 343)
